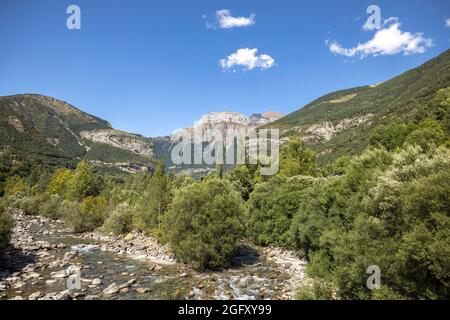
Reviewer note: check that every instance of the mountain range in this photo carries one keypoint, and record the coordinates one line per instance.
(53, 132)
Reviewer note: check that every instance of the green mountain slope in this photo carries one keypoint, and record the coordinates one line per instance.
(340, 123)
(50, 131)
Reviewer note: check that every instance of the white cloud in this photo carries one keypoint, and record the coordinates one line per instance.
(447, 22)
(224, 20)
(389, 40)
(248, 59)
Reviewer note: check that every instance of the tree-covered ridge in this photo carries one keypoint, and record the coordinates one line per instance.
(398, 99)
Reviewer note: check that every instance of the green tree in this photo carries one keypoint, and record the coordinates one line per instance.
(296, 159)
(87, 216)
(83, 183)
(154, 202)
(390, 136)
(271, 208)
(6, 224)
(439, 108)
(203, 225)
(59, 181)
(14, 185)
(244, 178)
(429, 132)
(120, 220)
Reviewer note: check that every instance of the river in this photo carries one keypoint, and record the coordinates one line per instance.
(44, 255)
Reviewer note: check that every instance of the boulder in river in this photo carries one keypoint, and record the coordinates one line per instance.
(35, 296)
(129, 237)
(141, 290)
(111, 289)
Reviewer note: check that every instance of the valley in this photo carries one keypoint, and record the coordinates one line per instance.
(363, 181)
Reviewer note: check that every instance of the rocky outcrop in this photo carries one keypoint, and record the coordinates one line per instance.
(122, 140)
(16, 123)
(326, 130)
(223, 121)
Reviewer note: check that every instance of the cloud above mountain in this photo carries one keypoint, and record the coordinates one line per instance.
(389, 40)
(225, 20)
(247, 59)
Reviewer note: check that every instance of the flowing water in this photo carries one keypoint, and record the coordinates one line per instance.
(251, 278)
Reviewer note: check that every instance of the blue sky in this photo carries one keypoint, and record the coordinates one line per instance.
(154, 66)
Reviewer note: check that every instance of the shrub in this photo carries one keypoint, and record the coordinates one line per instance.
(6, 225)
(120, 220)
(50, 208)
(70, 211)
(14, 185)
(29, 205)
(318, 290)
(203, 225)
(87, 216)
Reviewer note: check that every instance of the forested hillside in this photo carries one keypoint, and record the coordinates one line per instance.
(341, 122)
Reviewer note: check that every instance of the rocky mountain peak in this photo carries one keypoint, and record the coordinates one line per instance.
(233, 120)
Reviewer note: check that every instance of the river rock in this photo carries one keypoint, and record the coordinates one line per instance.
(73, 270)
(96, 281)
(111, 289)
(61, 246)
(63, 295)
(32, 275)
(18, 285)
(141, 290)
(35, 296)
(60, 274)
(129, 237)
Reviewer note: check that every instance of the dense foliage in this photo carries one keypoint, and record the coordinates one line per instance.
(271, 208)
(5, 228)
(203, 225)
